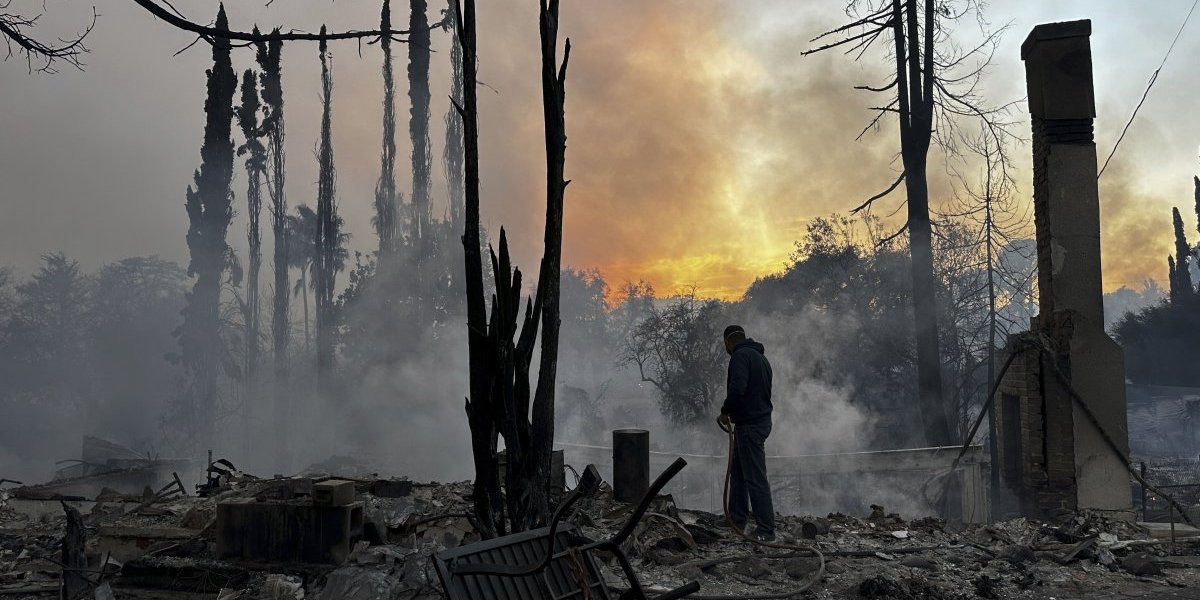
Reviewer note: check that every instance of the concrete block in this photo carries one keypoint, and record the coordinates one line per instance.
(392, 488)
(287, 531)
(333, 492)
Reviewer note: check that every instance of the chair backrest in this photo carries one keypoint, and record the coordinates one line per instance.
(559, 581)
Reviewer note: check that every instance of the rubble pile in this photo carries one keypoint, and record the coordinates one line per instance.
(170, 548)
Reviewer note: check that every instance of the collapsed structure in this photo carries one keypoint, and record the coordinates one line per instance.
(1060, 417)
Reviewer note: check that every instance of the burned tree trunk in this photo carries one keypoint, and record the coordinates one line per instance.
(553, 108)
(915, 94)
(75, 583)
(269, 58)
(385, 189)
(418, 127)
(480, 411)
(452, 154)
(418, 119)
(209, 210)
(326, 242)
(933, 77)
(501, 353)
(1183, 253)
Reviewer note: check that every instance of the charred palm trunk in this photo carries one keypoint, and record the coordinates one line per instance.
(269, 58)
(325, 249)
(209, 209)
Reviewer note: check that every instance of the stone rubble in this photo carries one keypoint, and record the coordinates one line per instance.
(881, 555)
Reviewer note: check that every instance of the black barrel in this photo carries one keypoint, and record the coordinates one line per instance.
(631, 464)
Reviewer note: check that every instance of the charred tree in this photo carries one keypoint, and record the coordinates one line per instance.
(1183, 252)
(75, 583)
(1173, 280)
(419, 235)
(209, 209)
(269, 55)
(500, 352)
(929, 96)
(479, 406)
(385, 188)
(326, 242)
(554, 77)
(418, 120)
(452, 154)
(256, 164)
(1196, 183)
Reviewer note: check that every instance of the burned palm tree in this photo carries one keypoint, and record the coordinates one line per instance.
(209, 209)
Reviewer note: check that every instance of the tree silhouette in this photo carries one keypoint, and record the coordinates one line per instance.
(209, 210)
(256, 165)
(935, 83)
(326, 262)
(1182, 281)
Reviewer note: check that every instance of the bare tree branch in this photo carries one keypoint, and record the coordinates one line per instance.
(14, 28)
(210, 33)
(872, 199)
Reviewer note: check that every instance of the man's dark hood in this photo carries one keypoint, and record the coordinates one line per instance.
(753, 345)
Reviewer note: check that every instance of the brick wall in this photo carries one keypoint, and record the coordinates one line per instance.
(1038, 460)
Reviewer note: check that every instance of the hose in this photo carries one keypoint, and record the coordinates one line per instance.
(779, 545)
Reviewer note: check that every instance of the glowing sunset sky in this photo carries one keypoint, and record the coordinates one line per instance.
(700, 142)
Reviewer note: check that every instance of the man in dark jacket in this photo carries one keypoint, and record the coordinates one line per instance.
(748, 408)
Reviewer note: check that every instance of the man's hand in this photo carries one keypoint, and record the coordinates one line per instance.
(725, 422)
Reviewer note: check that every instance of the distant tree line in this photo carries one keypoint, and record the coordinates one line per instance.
(79, 348)
(1160, 340)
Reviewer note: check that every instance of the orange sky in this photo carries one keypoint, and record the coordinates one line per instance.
(700, 142)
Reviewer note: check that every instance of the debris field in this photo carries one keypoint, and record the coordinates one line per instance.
(376, 536)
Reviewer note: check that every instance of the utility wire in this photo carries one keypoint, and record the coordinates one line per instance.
(1153, 78)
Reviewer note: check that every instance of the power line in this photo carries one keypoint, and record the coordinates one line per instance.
(1153, 78)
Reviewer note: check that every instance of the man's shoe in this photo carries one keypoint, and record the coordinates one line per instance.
(763, 537)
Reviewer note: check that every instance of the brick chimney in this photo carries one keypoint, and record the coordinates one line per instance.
(1052, 455)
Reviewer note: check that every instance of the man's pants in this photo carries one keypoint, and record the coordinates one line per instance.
(748, 485)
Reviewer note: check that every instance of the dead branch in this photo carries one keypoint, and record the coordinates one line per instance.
(210, 33)
(885, 192)
(14, 29)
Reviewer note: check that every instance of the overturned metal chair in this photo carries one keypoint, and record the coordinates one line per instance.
(551, 563)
